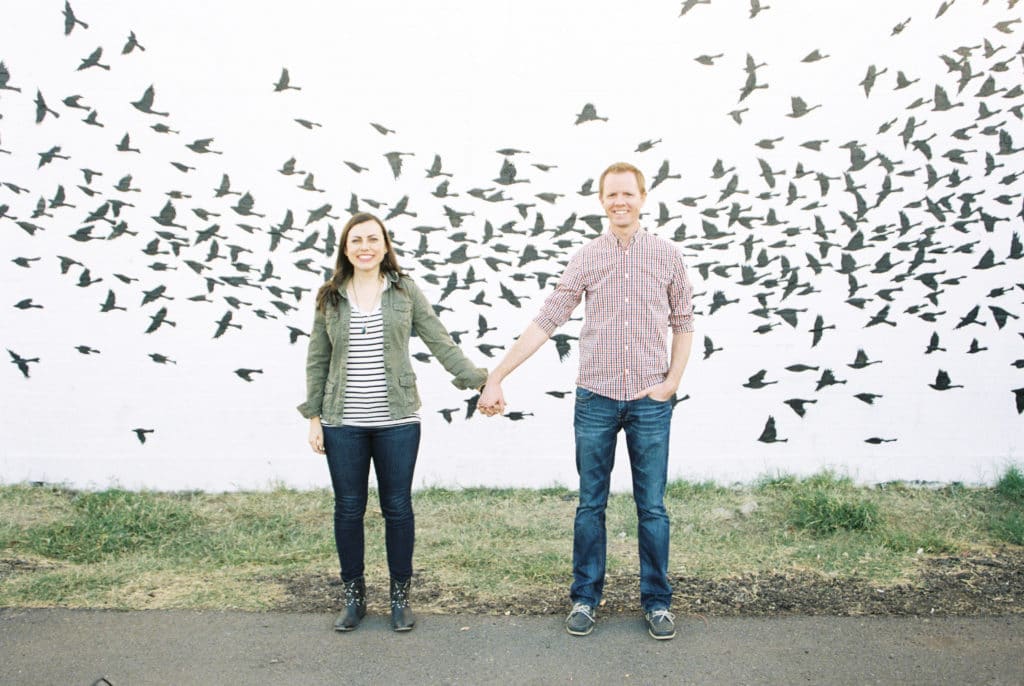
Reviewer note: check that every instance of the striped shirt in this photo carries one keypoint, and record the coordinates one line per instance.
(366, 393)
(634, 294)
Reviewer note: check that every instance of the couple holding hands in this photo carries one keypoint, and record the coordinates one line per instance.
(362, 399)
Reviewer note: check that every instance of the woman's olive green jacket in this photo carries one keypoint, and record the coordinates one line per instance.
(406, 312)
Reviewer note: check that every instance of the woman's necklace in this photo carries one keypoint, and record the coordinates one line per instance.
(365, 314)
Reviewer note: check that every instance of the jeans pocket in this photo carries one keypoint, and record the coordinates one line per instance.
(583, 395)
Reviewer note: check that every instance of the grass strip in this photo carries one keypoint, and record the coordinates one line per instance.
(476, 547)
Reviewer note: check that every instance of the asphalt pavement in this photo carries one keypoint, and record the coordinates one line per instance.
(71, 647)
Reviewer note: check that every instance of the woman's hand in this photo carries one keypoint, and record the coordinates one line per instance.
(316, 436)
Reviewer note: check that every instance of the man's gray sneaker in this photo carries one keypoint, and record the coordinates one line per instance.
(580, 621)
(661, 624)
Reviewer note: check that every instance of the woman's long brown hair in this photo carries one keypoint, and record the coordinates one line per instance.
(330, 292)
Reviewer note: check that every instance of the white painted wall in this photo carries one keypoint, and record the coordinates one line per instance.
(463, 80)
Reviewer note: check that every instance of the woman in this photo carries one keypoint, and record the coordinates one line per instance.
(361, 402)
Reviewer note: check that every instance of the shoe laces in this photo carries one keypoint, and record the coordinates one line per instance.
(583, 609)
(654, 615)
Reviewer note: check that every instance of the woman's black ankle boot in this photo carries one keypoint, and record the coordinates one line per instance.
(402, 618)
(355, 605)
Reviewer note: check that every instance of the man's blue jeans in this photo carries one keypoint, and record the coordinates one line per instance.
(597, 423)
(393, 450)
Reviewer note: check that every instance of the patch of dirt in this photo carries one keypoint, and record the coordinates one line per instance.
(967, 585)
(9, 566)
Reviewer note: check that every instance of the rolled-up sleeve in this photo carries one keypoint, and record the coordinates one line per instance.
(680, 298)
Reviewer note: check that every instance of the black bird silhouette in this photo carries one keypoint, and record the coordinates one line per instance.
(27, 304)
(942, 382)
(471, 405)
(447, 413)
(709, 348)
(22, 362)
(93, 60)
(690, 4)
(827, 379)
(769, 434)
(663, 175)
(381, 129)
(1018, 396)
(131, 44)
(141, 434)
(970, 318)
(224, 323)
(900, 26)
(1001, 315)
(158, 319)
(799, 108)
(797, 405)
(482, 328)
(562, 346)
(507, 175)
(41, 109)
(933, 344)
(395, 162)
(750, 85)
(868, 82)
(284, 82)
(125, 145)
(294, 333)
(70, 20)
(976, 347)
(109, 305)
(245, 205)
(706, 60)
(145, 103)
(819, 329)
(756, 8)
(868, 398)
(5, 78)
(757, 380)
(861, 360)
(435, 169)
(202, 146)
(589, 113)
(246, 374)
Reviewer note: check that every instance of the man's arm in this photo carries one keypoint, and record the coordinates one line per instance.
(682, 341)
(492, 400)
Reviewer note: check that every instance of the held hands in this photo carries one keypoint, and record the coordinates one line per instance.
(316, 436)
(491, 400)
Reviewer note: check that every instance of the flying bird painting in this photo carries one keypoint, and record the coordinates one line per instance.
(851, 223)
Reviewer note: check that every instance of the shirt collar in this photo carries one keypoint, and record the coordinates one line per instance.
(639, 235)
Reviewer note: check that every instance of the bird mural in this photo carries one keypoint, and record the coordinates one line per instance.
(899, 234)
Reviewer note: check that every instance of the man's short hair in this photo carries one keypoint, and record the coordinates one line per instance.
(618, 168)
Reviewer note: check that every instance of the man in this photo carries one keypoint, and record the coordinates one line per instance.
(636, 288)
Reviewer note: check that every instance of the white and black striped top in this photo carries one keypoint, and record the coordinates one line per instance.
(366, 391)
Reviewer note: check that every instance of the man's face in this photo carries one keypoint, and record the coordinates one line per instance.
(622, 200)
